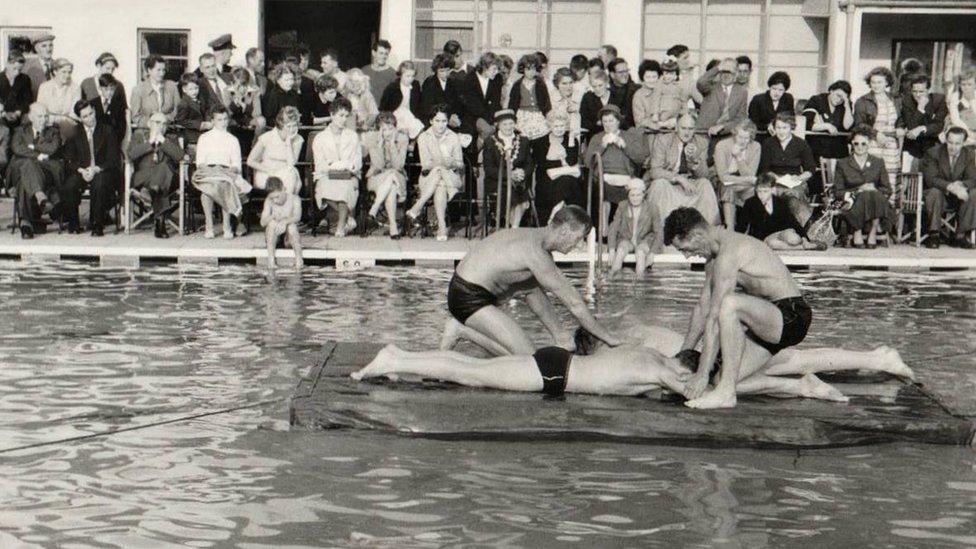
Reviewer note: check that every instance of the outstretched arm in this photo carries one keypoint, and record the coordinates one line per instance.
(697, 326)
(723, 285)
(550, 278)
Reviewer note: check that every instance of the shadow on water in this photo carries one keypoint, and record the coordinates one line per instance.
(86, 350)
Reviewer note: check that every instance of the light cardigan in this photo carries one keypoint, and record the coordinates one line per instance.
(219, 148)
(337, 152)
(59, 100)
(431, 155)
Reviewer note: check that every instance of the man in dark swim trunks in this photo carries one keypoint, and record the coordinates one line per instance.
(750, 326)
(514, 260)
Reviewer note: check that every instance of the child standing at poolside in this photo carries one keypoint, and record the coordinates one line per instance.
(281, 214)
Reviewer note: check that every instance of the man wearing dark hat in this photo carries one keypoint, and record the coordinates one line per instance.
(223, 48)
(40, 69)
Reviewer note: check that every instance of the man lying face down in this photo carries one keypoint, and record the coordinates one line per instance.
(627, 370)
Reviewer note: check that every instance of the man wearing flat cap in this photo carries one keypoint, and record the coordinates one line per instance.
(223, 48)
(41, 68)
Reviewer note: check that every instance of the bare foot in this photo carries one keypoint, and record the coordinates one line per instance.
(893, 363)
(208, 233)
(813, 387)
(713, 399)
(451, 335)
(381, 365)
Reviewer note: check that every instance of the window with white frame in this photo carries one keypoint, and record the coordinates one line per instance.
(775, 34)
(173, 45)
(558, 28)
(19, 38)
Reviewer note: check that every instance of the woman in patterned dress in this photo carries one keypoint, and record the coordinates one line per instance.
(879, 110)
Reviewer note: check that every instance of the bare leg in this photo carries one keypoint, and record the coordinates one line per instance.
(728, 212)
(510, 373)
(643, 254)
(343, 210)
(391, 208)
(518, 211)
(296, 245)
(828, 359)
(440, 209)
(617, 259)
(270, 239)
(381, 195)
(228, 232)
(492, 323)
(455, 331)
(809, 386)
(208, 223)
(422, 200)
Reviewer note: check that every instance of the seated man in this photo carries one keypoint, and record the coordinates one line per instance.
(91, 155)
(767, 217)
(628, 370)
(156, 161)
(511, 260)
(923, 115)
(36, 169)
(949, 175)
(679, 175)
(281, 214)
(768, 315)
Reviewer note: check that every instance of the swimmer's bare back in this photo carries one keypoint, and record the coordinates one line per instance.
(760, 272)
(504, 259)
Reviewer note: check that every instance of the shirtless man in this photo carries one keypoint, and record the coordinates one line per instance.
(512, 260)
(769, 315)
(280, 215)
(627, 370)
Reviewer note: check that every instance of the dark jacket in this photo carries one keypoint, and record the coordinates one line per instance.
(493, 160)
(795, 159)
(25, 147)
(189, 115)
(932, 118)
(208, 96)
(761, 110)
(114, 116)
(760, 224)
(936, 172)
(277, 99)
(623, 97)
(541, 95)
(866, 109)
(825, 146)
(432, 94)
(478, 105)
(107, 149)
(848, 176)
(16, 96)
(393, 96)
(590, 106)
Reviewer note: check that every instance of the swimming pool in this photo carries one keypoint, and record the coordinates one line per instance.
(83, 350)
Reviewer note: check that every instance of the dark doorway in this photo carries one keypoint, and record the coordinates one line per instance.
(348, 26)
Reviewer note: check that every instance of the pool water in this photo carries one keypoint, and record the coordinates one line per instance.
(85, 350)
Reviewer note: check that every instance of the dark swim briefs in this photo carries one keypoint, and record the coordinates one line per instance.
(796, 322)
(553, 364)
(465, 298)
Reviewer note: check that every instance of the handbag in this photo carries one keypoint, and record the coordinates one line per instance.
(340, 174)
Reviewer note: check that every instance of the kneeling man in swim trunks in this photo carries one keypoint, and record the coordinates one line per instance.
(512, 260)
(750, 326)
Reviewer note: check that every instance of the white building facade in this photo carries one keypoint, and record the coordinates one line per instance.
(816, 41)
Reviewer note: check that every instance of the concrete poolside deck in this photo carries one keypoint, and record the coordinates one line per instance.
(140, 247)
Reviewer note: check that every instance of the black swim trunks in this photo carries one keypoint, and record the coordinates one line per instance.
(553, 364)
(796, 322)
(465, 298)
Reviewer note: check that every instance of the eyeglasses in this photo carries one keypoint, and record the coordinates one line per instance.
(860, 143)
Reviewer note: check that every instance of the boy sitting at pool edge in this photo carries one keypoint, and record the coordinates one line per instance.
(281, 214)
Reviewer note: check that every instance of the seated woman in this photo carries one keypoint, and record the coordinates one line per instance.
(560, 182)
(338, 160)
(364, 109)
(281, 93)
(218, 173)
(768, 217)
(864, 176)
(386, 177)
(623, 153)
(962, 106)
(276, 153)
(628, 370)
(736, 166)
(508, 163)
(402, 98)
(830, 113)
(632, 231)
(441, 162)
(320, 106)
(765, 107)
(593, 102)
(788, 157)
(243, 99)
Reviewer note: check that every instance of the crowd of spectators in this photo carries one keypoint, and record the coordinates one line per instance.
(675, 137)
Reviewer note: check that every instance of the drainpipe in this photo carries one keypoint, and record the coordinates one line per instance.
(848, 40)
